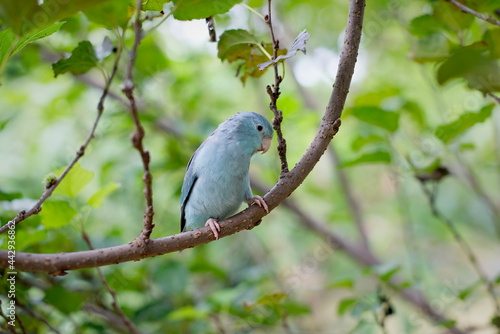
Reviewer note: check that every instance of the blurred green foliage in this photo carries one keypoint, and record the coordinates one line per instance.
(419, 100)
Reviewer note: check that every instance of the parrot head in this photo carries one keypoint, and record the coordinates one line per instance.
(251, 130)
(258, 130)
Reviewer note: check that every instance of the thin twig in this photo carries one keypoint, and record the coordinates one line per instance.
(50, 187)
(128, 323)
(10, 328)
(138, 135)
(474, 183)
(274, 93)
(37, 316)
(364, 257)
(465, 9)
(496, 98)
(431, 196)
(112, 319)
(352, 201)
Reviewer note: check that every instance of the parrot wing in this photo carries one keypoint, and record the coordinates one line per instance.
(187, 188)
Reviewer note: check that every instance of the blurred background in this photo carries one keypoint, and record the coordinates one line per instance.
(416, 163)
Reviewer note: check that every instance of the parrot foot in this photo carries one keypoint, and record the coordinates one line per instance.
(259, 201)
(214, 225)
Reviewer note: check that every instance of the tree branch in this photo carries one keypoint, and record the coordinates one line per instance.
(138, 135)
(465, 9)
(274, 94)
(50, 187)
(57, 264)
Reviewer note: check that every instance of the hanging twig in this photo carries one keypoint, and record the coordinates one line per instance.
(431, 196)
(138, 135)
(481, 192)
(52, 185)
(37, 316)
(352, 202)
(274, 93)
(127, 322)
(10, 328)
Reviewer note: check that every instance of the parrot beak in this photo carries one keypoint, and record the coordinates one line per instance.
(266, 143)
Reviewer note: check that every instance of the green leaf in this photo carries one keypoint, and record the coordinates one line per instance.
(235, 44)
(187, 313)
(379, 156)
(150, 58)
(425, 25)
(74, 182)
(31, 16)
(154, 5)
(98, 198)
(474, 65)
(452, 130)
(464, 293)
(492, 39)
(10, 44)
(343, 283)
(240, 45)
(448, 323)
(451, 16)
(56, 214)
(172, 276)
(345, 304)
(495, 321)
(466, 147)
(200, 9)
(386, 272)
(37, 34)
(431, 166)
(497, 279)
(361, 141)
(25, 239)
(64, 300)
(271, 299)
(82, 59)
(293, 308)
(110, 14)
(416, 113)
(203, 265)
(4, 196)
(431, 48)
(299, 44)
(374, 115)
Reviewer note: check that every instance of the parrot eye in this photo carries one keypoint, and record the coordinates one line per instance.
(260, 128)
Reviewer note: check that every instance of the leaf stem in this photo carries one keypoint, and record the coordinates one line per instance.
(264, 51)
(254, 11)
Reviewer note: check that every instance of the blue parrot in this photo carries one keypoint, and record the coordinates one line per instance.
(217, 179)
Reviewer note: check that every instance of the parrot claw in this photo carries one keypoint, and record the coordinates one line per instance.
(214, 225)
(259, 201)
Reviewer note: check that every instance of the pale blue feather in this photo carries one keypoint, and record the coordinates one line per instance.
(217, 179)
